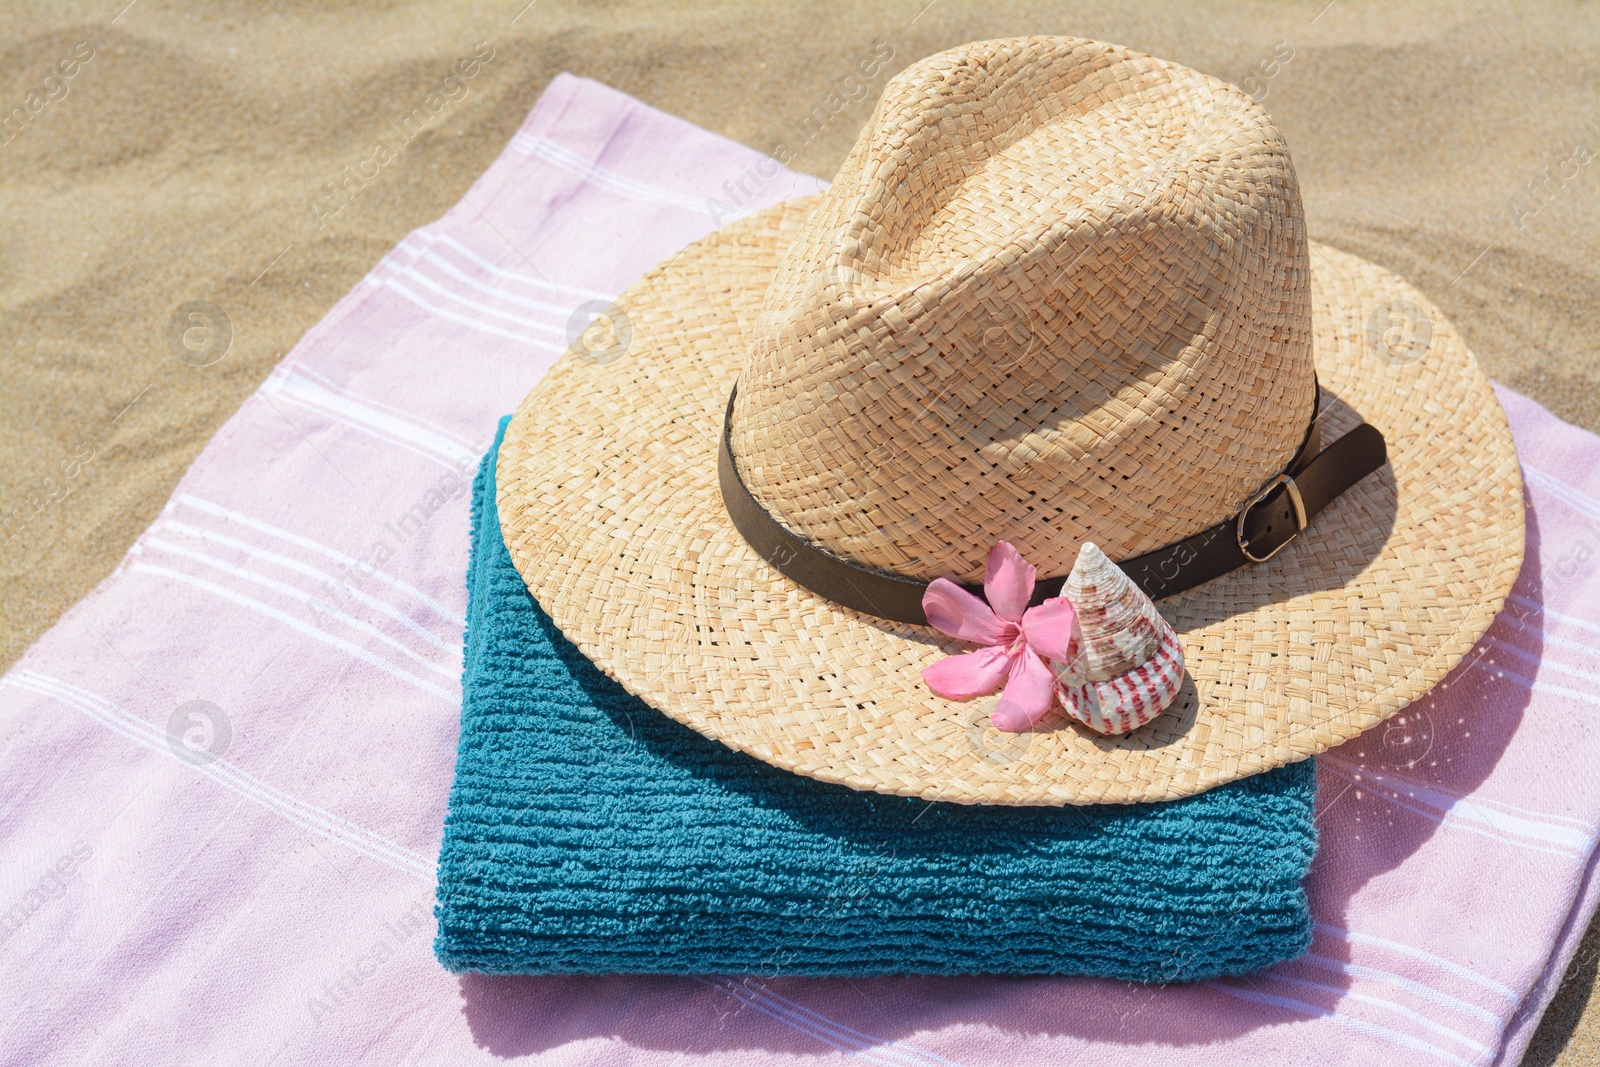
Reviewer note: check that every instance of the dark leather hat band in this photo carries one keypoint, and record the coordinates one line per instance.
(1271, 519)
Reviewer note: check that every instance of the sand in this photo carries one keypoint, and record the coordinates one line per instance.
(153, 156)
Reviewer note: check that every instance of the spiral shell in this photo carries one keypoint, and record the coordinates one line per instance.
(1127, 663)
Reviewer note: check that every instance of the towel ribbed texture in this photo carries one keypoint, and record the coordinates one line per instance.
(588, 833)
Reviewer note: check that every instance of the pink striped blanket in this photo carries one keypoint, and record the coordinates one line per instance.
(223, 774)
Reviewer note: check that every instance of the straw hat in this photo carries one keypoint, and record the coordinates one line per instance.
(1059, 292)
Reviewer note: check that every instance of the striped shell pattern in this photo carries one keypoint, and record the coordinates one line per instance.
(1127, 664)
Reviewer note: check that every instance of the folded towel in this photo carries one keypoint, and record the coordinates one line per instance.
(589, 833)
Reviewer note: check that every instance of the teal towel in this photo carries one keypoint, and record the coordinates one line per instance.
(588, 833)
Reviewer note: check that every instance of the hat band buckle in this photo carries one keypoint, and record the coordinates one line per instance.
(1288, 483)
(1300, 517)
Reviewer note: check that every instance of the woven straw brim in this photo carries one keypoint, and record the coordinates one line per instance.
(610, 507)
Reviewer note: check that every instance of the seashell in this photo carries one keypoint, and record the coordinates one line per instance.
(1127, 663)
(1131, 699)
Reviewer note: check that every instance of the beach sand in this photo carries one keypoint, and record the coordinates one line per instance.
(181, 157)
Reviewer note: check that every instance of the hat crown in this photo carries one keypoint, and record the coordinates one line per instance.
(1058, 292)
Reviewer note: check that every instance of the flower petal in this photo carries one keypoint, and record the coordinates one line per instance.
(971, 674)
(1027, 695)
(954, 611)
(1008, 581)
(1049, 628)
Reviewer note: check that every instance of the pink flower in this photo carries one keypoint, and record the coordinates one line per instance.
(1017, 639)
